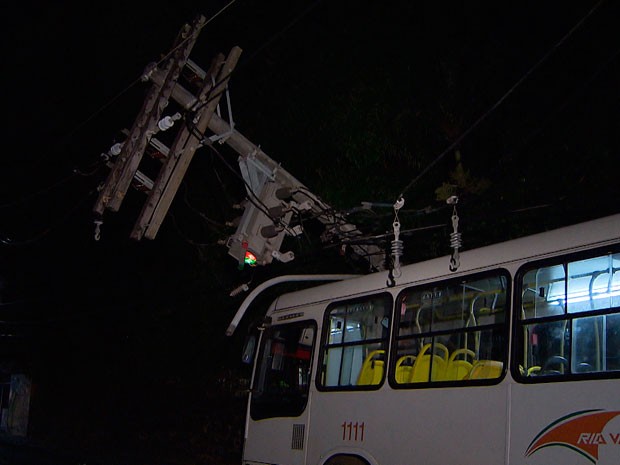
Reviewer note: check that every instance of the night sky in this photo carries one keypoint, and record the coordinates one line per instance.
(354, 99)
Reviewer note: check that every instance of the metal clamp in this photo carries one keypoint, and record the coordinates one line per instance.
(455, 235)
(397, 246)
(98, 224)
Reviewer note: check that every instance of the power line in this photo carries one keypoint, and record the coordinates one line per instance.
(185, 237)
(37, 237)
(499, 102)
(265, 44)
(279, 33)
(138, 80)
(253, 197)
(76, 172)
(208, 220)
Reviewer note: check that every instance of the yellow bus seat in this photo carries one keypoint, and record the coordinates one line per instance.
(404, 368)
(486, 369)
(372, 369)
(458, 368)
(531, 371)
(426, 363)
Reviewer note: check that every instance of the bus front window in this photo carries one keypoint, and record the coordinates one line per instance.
(282, 377)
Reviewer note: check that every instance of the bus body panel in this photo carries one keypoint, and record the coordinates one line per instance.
(279, 433)
(569, 422)
(426, 427)
(507, 421)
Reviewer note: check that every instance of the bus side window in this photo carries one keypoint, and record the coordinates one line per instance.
(354, 350)
(452, 331)
(574, 326)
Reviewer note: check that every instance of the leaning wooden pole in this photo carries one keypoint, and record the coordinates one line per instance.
(173, 172)
(124, 169)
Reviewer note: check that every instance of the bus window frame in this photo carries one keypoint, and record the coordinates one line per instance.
(260, 353)
(567, 317)
(451, 281)
(323, 344)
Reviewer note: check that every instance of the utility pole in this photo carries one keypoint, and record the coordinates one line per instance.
(184, 148)
(273, 193)
(145, 125)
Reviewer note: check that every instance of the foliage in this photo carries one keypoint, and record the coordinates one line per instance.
(461, 182)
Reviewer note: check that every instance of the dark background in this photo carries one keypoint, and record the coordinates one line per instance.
(124, 341)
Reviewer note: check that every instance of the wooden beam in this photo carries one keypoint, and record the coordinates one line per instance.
(156, 210)
(144, 126)
(176, 150)
(109, 188)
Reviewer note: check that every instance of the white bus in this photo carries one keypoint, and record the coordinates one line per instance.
(513, 359)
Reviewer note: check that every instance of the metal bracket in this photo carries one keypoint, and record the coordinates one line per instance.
(283, 257)
(222, 138)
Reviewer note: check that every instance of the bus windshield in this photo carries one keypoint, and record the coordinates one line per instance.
(283, 372)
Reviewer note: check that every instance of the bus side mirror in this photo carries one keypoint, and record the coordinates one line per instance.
(249, 347)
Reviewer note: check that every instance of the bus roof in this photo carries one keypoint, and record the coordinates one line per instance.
(598, 232)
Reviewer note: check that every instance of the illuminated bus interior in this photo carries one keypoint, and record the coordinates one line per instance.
(452, 331)
(570, 318)
(355, 351)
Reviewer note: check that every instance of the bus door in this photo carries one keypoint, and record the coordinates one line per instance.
(277, 422)
(566, 404)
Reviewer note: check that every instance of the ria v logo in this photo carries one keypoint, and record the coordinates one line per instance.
(580, 431)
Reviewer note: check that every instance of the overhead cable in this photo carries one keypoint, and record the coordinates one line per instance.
(485, 115)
